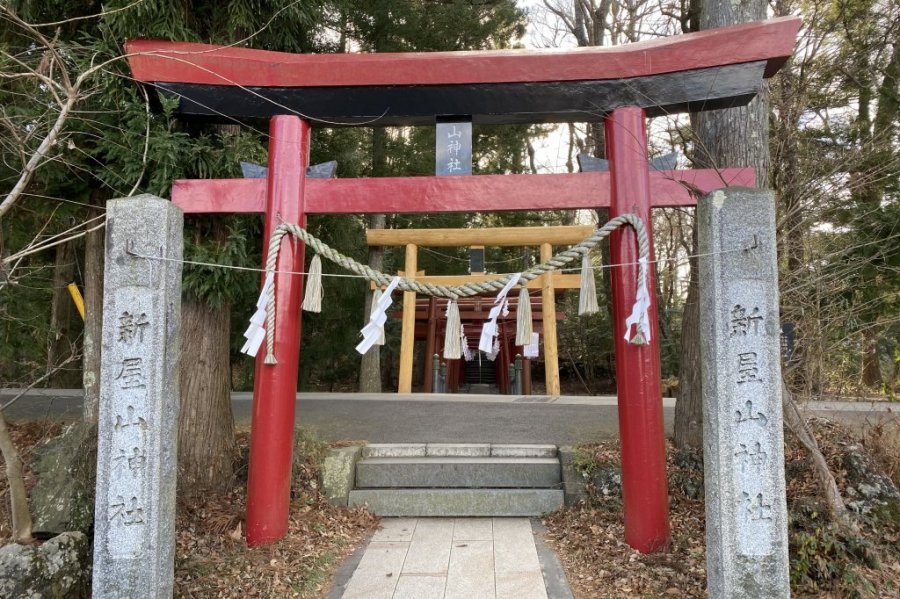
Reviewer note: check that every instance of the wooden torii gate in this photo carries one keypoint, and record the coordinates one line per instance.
(620, 86)
(544, 237)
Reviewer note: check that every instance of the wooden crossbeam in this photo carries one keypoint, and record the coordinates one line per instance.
(560, 281)
(494, 236)
(477, 316)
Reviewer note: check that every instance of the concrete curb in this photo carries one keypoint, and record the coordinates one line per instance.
(345, 572)
(555, 580)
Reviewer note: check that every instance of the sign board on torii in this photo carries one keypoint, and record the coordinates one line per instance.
(620, 86)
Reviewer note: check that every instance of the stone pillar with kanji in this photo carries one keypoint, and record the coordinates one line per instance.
(134, 530)
(743, 439)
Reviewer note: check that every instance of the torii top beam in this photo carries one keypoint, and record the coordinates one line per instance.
(711, 69)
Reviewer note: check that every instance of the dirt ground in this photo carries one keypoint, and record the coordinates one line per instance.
(826, 560)
(211, 554)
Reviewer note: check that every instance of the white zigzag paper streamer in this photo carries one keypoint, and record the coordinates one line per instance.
(372, 331)
(489, 330)
(256, 332)
(639, 313)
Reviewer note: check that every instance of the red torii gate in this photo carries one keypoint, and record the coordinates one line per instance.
(621, 86)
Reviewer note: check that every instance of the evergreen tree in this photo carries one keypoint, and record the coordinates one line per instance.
(417, 25)
(110, 161)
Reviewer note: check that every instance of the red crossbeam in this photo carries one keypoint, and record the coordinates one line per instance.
(154, 60)
(483, 193)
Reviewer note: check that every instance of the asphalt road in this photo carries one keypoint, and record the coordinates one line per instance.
(390, 418)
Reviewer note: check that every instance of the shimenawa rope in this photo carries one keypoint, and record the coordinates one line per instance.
(452, 292)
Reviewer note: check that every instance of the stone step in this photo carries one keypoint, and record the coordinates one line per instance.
(458, 502)
(451, 472)
(461, 450)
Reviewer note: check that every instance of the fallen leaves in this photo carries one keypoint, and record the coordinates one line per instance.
(213, 560)
(590, 538)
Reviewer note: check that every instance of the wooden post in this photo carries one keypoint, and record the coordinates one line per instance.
(408, 333)
(502, 373)
(548, 301)
(451, 383)
(430, 342)
(526, 378)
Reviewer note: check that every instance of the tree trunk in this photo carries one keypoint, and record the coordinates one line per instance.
(60, 341)
(688, 427)
(93, 322)
(18, 498)
(827, 485)
(871, 368)
(370, 365)
(791, 195)
(733, 137)
(206, 444)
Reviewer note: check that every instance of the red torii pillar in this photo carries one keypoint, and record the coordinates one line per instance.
(644, 492)
(275, 385)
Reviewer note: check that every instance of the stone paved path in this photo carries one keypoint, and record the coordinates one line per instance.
(449, 558)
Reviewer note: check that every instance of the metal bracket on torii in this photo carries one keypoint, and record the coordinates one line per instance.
(620, 86)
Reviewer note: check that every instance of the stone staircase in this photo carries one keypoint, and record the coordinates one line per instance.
(458, 480)
(480, 377)
(481, 372)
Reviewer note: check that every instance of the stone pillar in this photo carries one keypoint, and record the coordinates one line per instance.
(134, 531)
(743, 439)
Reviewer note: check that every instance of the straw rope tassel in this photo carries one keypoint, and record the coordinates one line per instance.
(376, 295)
(452, 337)
(270, 316)
(312, 301)
(587, 296)
(523, 318)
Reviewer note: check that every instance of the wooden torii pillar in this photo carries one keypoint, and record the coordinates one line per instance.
(543, 237)
(619, 85)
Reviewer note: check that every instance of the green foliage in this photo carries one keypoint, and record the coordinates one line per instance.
(421, 25)
(586, 459)
(220, 242)
(825, 555)
(284, 25)
(25, 301)
(327, 358)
